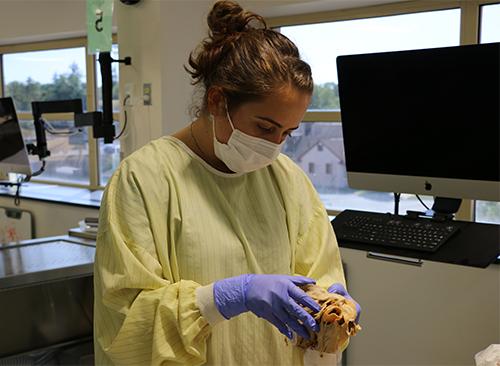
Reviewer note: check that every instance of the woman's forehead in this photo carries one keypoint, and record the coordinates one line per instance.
(284, 107)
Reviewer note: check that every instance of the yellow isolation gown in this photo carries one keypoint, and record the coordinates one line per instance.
(170, 223)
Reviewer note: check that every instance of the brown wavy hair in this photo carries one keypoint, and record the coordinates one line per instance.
(244, 58)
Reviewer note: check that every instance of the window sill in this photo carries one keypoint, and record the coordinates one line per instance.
(54, 193)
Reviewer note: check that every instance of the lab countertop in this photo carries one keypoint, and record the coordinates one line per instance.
(56, 194)
(43, 260)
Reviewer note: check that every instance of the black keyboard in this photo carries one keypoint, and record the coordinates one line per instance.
(422, 234)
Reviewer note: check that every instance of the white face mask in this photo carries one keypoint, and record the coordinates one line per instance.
(244, 153)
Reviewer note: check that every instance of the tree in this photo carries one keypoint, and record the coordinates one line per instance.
(325, 96)
(24, 93)
(66, 86)
(63, 86)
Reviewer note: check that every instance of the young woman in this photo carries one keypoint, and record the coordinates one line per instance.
(206, 235)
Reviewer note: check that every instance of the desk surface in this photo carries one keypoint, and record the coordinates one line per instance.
(56, 194)
(475, 245)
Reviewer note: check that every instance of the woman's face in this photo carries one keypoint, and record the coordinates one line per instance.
(272, 118)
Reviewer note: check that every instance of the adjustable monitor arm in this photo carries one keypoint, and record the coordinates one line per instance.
(38, 109)
(102, 122)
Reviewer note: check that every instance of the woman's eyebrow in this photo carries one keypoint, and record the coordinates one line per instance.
(270, 120)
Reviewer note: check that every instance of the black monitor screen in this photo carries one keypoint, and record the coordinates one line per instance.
(11, 140)
(430, 113)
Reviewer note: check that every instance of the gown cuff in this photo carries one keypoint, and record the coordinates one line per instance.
(316, 358)
(206, 304)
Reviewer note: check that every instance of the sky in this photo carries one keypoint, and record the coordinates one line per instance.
(319, 44)
(42, 65)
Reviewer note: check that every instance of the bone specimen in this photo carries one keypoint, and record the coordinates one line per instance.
(336, 320)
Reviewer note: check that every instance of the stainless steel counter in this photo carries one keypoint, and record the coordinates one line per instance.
(43, 260)
(46, 293)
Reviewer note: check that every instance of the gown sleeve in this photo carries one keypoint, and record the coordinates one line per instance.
(317, 254)
(142, 315)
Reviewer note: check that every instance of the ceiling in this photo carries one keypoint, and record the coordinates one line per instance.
(274, 8)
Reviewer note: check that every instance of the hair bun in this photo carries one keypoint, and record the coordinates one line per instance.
(228, 17)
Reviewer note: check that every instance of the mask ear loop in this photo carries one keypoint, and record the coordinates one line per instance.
(228, 116)
(211, 118)
(212, 121)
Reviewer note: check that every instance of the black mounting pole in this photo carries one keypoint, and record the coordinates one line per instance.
(105, 128)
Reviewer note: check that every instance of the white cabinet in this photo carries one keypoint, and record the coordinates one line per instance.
(435, 314)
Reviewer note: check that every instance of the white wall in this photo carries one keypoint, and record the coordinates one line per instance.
(139, 37)
(158, 35)
(51, 219)
(179, 41)
(24, 21)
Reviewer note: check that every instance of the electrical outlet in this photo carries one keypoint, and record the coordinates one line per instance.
(129, 92)
(146, 93)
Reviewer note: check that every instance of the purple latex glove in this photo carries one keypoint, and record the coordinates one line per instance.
(275, 298)
(338, 288)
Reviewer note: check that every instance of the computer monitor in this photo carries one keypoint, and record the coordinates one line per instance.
(13, 153)
(423, 121)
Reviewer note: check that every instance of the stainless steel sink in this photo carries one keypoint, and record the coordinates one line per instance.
(46, 293)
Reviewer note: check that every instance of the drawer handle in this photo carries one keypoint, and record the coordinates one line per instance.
(395, 258)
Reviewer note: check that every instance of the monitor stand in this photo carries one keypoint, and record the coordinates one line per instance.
(9, 183)
(444, 208)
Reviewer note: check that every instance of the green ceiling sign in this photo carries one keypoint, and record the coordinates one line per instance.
(99, 25)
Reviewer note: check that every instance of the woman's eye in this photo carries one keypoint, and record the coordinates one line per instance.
(265, 128)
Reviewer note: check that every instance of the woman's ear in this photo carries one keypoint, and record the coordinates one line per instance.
(216, 102)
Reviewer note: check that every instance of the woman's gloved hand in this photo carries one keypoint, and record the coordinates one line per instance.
(338, 288)
(275, 298)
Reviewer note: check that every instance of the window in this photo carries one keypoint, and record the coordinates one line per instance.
(489, 32)
(328, 168)
(490, 18)
(51, 75)
(320, 44)
(62, 70)
(311, 168)
(44, 75)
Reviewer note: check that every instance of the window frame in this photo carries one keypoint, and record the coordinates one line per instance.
(328, 169)
(91, 84)
(470, 11)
